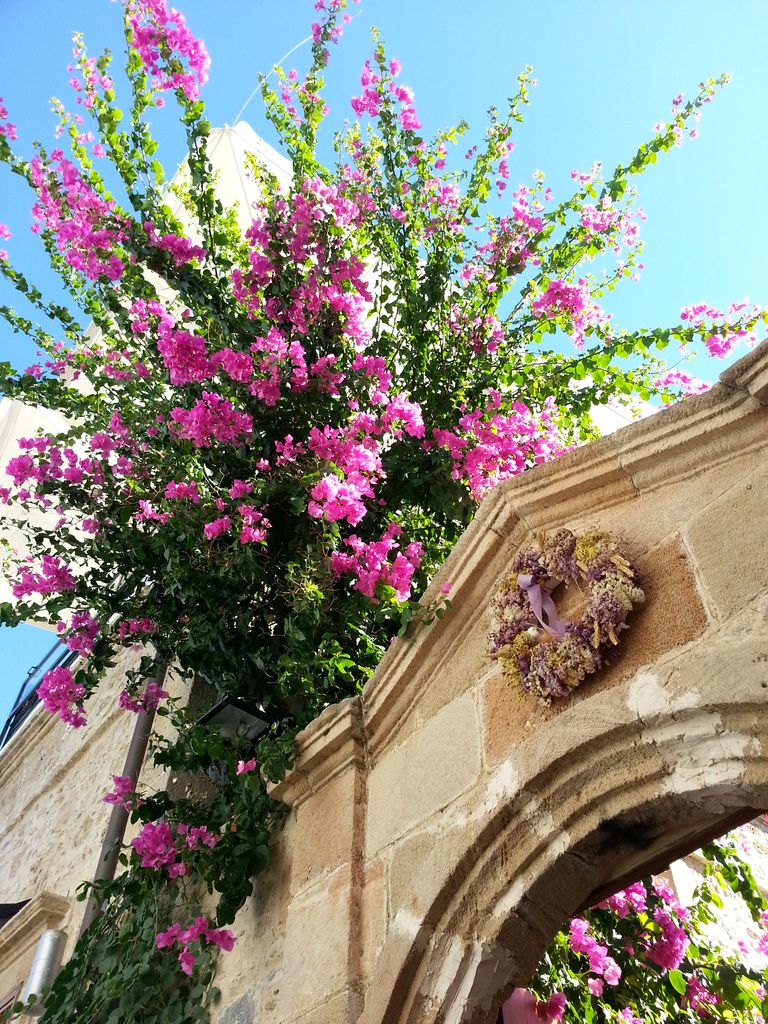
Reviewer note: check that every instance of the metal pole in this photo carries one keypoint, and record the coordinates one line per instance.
(118, 819)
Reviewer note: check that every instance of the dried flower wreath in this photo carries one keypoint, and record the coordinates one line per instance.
(538, 651)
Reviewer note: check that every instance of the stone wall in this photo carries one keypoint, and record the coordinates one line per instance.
(464, 822)
(442, 825)
(52, 822)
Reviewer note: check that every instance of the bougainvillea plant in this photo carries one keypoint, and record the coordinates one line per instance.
(276, 436)
(541, 653)
(643, 956)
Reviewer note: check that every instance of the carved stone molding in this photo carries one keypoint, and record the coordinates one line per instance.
(330, 745)
(19, 936)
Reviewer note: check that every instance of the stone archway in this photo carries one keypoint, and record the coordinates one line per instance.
(443, 825)
(684, 762)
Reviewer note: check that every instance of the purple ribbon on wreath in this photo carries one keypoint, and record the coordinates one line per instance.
(542, 606)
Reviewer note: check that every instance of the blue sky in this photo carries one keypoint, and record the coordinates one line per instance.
(607, 72)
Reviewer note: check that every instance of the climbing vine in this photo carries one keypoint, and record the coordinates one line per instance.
(274, 437)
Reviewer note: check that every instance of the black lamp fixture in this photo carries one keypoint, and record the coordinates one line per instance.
(8, 910)
(235, 717)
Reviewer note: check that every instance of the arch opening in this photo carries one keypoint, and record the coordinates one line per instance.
(615, 809)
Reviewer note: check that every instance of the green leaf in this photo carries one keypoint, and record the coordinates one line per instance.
(677, 981)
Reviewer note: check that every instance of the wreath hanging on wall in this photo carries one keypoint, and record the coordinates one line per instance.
(544, 655)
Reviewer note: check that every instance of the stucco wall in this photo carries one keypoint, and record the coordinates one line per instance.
(734, 930)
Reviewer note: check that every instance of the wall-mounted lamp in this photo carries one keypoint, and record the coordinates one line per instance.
(235, 717)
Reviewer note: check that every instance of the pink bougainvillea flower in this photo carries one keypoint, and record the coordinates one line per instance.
(699, 997)
(221, 937)
(371, 564)
(167, 938)
(240, 488)
(180, 249)
(188, 491)
(187, 960)
(62, 696)
(160, 35)
(574, 303)
(217, 527)
(123, 786)
(53, 577)
(211, 419)
(80, 633)
(677, 379)
(146, 702)
(626, 1016)
(669, 949)
(197, 931)
(155, 845)
(488, 449)
(553, 1009)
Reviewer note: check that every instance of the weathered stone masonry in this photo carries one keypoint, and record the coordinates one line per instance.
(442, 825)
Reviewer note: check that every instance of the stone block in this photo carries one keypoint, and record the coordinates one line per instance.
(651, 517)
(242, 1011)
(729, 543)
(271, 888)
(253, 969)
(508, 717)
(335, 1010)
(373, 922)
(317, 946)
(672, 615)
(464, 663)
(323, 836)
(19, 935)
(424, 774)
(389, 988)
(423, 862)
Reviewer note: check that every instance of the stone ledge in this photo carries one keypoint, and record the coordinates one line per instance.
(590, 477)
(750, 374)
(45, 910)
(673, 444)
(664, 447)
(328, 746)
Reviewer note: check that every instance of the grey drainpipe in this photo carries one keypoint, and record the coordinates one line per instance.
(45, 967)
(118, 819)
